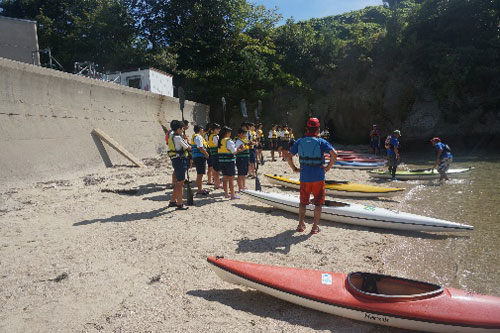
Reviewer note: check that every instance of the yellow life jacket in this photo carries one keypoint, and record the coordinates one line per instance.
(245, 152)
(225, 154)
(275, 134)
(254, 136)
(205, 144)
(286, 135)
(261, 133)
(212, 147)
(172, 153)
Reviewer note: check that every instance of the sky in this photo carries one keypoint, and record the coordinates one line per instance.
(306, 9)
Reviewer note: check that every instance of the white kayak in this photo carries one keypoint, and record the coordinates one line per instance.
(365, 215)
(418, 174)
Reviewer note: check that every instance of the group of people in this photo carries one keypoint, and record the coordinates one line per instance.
(443, 152)
(213, 148)
(281, 138)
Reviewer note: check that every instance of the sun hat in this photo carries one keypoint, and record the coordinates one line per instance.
(398, 132)
(436, 139)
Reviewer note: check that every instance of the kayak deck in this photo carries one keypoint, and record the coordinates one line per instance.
(418, 174)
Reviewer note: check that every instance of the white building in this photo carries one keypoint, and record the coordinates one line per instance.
(19, 40)
(150, 79)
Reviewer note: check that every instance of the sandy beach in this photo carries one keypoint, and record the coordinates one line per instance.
(101, 252)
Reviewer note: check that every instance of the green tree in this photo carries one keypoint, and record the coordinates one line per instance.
(102, 31)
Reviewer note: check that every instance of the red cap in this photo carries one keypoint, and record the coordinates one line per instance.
(436, 139)
(313, 122)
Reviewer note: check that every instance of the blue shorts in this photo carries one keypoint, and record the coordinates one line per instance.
(227, 168)
(215, 162)
(200, 164)
(253, 156)
(180, 167)
(242, 165)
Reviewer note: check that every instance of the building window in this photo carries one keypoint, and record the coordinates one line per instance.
(134, 82)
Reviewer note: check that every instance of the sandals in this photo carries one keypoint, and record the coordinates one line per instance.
(202, 193)
(301, 228)
(172, 204)
(182, 207)
(314, 231)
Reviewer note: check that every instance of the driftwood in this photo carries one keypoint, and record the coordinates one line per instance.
(99, 136)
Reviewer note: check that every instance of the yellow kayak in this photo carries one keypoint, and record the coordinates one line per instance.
(341, 188)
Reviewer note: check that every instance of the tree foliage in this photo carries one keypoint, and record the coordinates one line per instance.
(233, 48)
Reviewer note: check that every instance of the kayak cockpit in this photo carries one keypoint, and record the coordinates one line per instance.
(390, 288)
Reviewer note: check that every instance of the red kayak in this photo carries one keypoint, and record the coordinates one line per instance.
(373, 298)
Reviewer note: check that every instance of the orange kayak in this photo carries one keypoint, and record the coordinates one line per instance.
(373, 298)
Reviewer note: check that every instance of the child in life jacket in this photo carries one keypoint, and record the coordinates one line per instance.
(225, 151)
(242, 158)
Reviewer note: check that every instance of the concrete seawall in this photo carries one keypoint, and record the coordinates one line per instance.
(46, 119)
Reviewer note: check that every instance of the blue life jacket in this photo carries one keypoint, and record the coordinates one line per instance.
(310, 153)
(194, 147)
(446, 150)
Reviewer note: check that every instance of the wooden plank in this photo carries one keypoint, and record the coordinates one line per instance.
(116, 146)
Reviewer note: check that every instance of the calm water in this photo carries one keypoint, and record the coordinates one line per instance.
(469, 260)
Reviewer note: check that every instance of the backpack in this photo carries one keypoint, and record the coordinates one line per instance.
(447, 148)
(387, 143)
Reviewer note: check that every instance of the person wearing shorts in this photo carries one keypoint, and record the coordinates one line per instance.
(443, 158)
(273, 136)
(199, 149)
(178, 151)
(213, 140)
(311, 150)
(242, 158)
(393, 158)
(226, 151)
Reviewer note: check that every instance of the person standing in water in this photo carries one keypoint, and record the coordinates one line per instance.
(443, 158)
(311, 150)
(392, 146)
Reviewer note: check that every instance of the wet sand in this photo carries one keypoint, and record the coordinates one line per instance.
(101, 252)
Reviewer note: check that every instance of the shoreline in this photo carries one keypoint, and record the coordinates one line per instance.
(76, 257)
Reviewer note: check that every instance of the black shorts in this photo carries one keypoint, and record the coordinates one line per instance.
(272, 143)
(180, 167)
(200, 164)
(242, 165)
(209, 160)
(253, 156)
(285, 145)
(215, 162)
(227, 168)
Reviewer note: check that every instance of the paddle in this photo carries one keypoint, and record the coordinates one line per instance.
(258, 187)
(190, 196)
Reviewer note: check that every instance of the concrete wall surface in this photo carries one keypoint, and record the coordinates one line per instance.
(46, 119)
(18, 39)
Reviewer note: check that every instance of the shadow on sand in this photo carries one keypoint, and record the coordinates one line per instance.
(280, 243)
(264, 306)
(129, 217)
